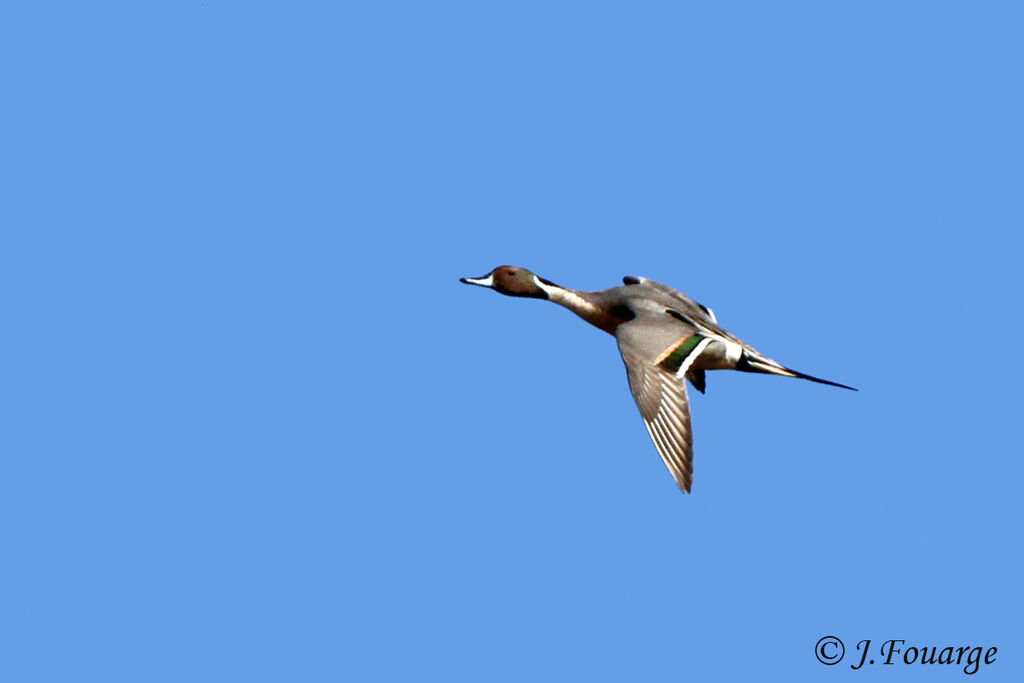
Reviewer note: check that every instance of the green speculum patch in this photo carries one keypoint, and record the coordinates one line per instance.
(677, 357)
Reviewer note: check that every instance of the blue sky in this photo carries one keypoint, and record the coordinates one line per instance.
(255, 429)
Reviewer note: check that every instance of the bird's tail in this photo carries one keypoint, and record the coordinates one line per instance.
(752, 362)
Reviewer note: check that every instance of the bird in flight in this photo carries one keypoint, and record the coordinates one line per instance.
(665, 337)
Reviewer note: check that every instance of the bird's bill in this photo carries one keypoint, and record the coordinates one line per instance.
(485, 281)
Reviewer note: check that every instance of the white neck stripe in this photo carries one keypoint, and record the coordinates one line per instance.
(565, 297)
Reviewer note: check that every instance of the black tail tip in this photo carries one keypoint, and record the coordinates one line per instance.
(823, 381)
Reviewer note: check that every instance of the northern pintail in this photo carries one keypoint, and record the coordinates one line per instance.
(664, 336)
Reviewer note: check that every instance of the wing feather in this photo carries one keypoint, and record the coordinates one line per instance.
(664, 406)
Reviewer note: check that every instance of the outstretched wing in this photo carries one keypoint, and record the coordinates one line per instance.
(699, 308)
(654, 348)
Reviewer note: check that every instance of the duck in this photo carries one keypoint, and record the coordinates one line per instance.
(666, 339)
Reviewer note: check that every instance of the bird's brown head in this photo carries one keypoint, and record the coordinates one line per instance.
(511, 281)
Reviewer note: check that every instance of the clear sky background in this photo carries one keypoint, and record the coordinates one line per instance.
(255, 430)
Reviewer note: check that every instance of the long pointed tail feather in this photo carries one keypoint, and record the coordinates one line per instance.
(748, 363)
